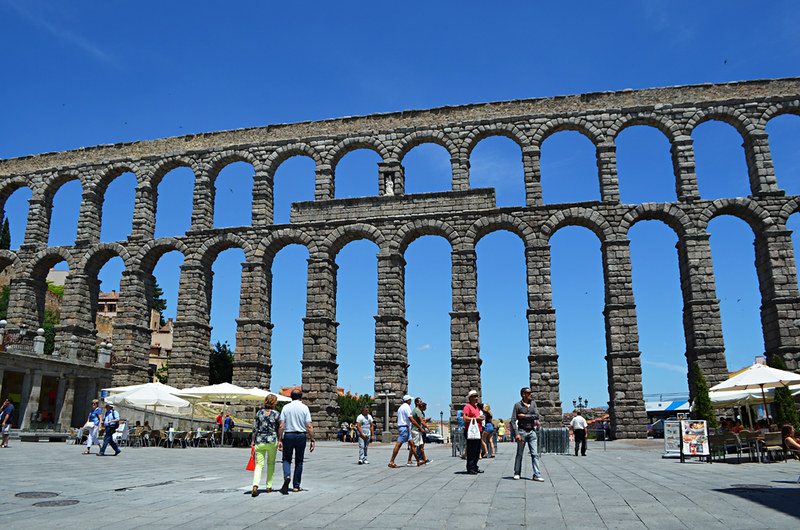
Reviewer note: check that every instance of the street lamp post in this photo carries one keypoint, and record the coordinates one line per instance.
(580, 404)
(386, 436)
(441, 424)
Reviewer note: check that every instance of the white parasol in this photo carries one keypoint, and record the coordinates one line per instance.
(149, 395)
(758, 377)
(225, 392)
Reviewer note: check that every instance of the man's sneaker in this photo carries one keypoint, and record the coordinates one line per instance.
(538, 479)
(360, 462)
(516, 477)
(366, 462)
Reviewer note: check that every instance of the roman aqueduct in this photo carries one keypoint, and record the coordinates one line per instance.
(393, 219)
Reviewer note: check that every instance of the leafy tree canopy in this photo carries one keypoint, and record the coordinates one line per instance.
(5, 236)
(159, 303)
(702, 403)
(783, 406)
(57, 290)
(350, 406)
(220, 364)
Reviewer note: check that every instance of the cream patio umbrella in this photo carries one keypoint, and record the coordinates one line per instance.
(149, 395)
(225, 392)
(120, 389)
(758, 377)
(265, 393)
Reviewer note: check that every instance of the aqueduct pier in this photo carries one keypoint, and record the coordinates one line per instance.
(393, 219)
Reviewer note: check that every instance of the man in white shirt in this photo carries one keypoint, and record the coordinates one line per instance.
(365, 426)
(404, 431)
(294, 428)
(579, 430)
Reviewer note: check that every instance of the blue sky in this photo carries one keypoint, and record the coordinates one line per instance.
(89, 73)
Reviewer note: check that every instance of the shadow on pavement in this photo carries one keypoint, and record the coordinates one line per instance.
(779, 499)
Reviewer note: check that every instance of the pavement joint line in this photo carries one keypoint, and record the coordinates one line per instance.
(638, 491)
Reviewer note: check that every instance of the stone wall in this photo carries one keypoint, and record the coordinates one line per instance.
(394, 219)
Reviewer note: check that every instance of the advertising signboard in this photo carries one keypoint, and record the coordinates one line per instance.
(672, 437)
(694, 438)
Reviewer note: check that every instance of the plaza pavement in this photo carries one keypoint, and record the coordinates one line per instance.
(627, 486)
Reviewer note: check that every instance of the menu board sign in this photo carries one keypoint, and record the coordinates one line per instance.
(672, 436)
(694, 435)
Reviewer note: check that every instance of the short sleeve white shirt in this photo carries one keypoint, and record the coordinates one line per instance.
(295, 415)
(578, 422)
(366, 423)
(404, 415)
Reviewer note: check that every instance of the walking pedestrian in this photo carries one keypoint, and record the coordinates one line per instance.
(93, 426)
(579, 427)
(525, 420)
(111, 422)
(265, 441)
(365, 426)
(418, 428)
(472, 413)
(6, 420)
(403, 432)
(488, 430)
(295, 429)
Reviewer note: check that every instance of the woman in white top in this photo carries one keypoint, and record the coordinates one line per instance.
(92, 425)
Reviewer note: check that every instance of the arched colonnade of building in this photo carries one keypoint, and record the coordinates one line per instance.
(393, 220)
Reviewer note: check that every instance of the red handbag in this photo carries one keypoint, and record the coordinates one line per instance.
(251, 465)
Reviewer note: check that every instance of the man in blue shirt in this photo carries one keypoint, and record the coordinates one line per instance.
(6, 419)
(111, 421)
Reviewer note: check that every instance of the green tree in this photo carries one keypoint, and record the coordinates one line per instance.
(784, 406)
(159, 303)
(702, 409)
(350, 406)
(162, 374)
(4, 292)
(51, 320)
(220, 364)
(5, 236)
(57, 290)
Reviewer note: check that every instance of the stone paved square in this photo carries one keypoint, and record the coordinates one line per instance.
(628, 485)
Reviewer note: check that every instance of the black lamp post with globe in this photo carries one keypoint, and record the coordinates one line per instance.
(580, 404)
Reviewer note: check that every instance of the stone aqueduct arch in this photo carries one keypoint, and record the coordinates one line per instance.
(392, 220)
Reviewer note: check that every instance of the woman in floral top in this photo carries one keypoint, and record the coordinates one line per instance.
(265, 441)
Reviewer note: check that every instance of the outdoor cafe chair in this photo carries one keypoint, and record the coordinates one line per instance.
(154, 439)
(732, 445)
(716, 444)
(179, 439)
(76, 435)
(121, 434)
(743, 444)
(773, 443)
(163, 439)
(205, 438)
(136, 437)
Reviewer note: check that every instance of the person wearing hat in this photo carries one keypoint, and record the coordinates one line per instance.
(404, 432)
(111, 421)
(472, 413)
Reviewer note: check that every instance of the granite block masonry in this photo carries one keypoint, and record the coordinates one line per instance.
(394, 219)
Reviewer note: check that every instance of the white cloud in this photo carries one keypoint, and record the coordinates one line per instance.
(368, 377)
(424, 347)
(62, 33)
